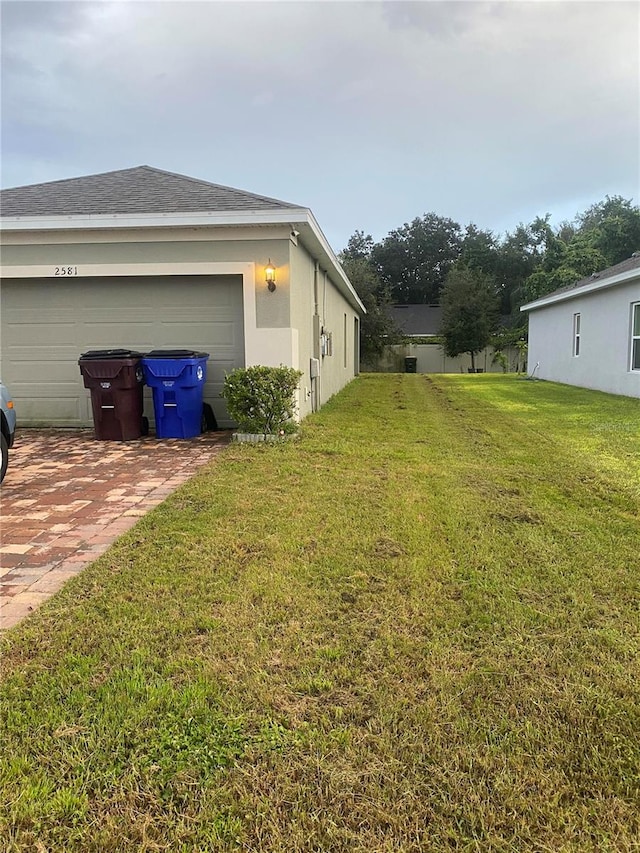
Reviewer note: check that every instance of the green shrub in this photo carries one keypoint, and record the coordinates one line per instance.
(500, 358)
(261, 399)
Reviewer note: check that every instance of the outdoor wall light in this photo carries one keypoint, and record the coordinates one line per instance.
(270, 276)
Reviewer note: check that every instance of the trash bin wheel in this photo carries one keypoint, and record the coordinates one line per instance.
(208, 422)
(144, 426)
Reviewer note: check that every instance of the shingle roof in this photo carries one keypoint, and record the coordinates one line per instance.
(142, 189)
(417, 319)
(424, 320)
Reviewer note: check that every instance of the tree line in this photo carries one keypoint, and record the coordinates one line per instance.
(479, 278)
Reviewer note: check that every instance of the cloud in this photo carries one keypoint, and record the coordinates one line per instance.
(441, 20)
(372, 113)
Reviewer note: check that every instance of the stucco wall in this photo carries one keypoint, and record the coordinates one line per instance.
(269, 338)
(605, 341)
(272, 309)
(332, 309)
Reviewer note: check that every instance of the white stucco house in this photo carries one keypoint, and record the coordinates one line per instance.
(145, 259)
(588, 334)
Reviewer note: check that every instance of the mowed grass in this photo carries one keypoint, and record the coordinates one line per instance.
(416, 628)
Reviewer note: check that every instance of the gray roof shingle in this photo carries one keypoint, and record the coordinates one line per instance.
(417, 319)
(142, 189)
(423, 320)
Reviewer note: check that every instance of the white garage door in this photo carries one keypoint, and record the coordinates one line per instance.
(47, 324)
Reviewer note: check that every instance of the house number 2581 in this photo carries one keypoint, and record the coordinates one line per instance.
(66, 271)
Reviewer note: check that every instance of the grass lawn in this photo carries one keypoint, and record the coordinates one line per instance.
(415, 629)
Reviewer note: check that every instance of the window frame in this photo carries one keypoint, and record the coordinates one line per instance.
(344, 332)
(634, 339)
(577, 323)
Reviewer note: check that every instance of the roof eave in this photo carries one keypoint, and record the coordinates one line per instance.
(327, 253)
(152, 220)
(600, 284)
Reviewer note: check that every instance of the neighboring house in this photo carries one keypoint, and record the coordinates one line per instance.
(417, 321)
(588, 334)
(146, 259)
(423, 321)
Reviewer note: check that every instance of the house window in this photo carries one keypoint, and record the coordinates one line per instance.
(345, 340)
(635, 336)
(576, 334)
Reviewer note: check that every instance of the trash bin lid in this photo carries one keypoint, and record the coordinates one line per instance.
(111, 353)
(175, 353)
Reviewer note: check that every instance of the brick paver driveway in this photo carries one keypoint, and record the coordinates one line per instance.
(66, 497)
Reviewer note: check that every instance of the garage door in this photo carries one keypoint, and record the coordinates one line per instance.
(47, 324)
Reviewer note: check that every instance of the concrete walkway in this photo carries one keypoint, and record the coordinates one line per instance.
(66, 497)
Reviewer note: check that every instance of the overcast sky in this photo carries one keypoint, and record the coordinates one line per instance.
(369, 113)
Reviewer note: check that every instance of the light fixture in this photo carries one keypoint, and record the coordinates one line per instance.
(270, 276)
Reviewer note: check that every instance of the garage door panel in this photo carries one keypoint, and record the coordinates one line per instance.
(41, 374)
(59, 410)
(108, 315)
(40, 314)
(217, 369)
(49, 333)
(115, 335)
(46, 325)
(42, 354)
(188, 316)
(181, 295)
(223, 334)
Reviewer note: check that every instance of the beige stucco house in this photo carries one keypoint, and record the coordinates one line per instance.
(146, 259)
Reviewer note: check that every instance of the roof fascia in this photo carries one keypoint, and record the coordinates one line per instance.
(601, 284)
(153, 220)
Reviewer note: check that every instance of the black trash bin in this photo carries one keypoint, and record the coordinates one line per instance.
(176, 378)
(410, 364)
(115, 379)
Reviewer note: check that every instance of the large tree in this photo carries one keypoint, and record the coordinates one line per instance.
(359, 247)
(377, 329)
(520, 254)
(413, 261)
(565, 265)
(470, 309)
(479, 250)
(605, 234)
(612, 226)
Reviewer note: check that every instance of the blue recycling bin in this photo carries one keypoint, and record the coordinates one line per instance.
(176, 379)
